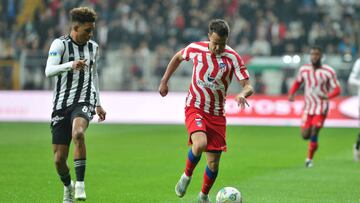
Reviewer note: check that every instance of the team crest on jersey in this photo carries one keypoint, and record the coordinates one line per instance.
(222, 65)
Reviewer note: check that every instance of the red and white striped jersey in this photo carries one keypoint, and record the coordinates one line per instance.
(318, 82)
(211, 76)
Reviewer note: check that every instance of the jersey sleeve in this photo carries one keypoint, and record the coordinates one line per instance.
(240, 69)
(188, 52)
(354, 78)
(53, 66)
(333, 81)
(96, 77)
(299, 77)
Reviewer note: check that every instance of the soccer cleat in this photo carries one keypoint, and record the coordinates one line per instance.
(69, 193)
(182, 184)
(309, 163)
(203, 198)
(356, 154)
(80, 191)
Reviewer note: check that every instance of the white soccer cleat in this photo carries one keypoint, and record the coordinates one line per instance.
(203, 198)
(309, 163)
(80, 191)
(182, 184)
(356, 154)
(69, 193)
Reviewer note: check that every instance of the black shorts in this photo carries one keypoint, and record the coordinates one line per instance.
(61, 121)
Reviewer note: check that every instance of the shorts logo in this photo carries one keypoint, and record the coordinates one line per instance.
(56, 119)
(85, 109)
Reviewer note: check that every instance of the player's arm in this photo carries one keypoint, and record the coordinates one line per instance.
(99, 109)
(295, 86)
(53, 66)
(171, 68)
(354, 78)
(335, 85)
(247, 90)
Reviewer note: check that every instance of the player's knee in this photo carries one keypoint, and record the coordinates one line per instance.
(200, 146)
(60, 159)
(213, 165)
(305, 134)
(78, 136)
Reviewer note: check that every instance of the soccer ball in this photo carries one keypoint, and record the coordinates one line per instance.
(228, 195)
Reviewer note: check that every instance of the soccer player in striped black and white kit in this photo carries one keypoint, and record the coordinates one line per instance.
(354, 79)
(72, 61)
(215, 64)
(320, 85)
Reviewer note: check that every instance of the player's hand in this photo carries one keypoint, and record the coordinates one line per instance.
(291, 98)
(80, 64)
(163, 89)
(241, 100)
(101, 113)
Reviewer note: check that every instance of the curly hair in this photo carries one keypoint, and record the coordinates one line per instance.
(83, 15)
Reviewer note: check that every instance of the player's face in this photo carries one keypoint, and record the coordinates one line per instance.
(315, 57)
(217, 44)
(84, 32)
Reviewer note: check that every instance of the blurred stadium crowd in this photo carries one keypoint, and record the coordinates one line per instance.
(138, 37)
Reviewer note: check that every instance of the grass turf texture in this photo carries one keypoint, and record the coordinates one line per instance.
(142, 163)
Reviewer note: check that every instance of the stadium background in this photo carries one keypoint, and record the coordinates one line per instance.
(137, 40)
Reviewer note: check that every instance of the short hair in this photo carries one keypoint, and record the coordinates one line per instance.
(317, 48)
(82, 15)
(220, 27)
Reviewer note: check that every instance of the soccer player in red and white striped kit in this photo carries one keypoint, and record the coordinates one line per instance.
(215, 63)
(320, 85)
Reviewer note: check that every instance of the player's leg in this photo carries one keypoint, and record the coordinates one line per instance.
(199, 142)
(81, 115)
(78, 134)
(306, 126)
(313, 146)
(210, 174)
(61, 138)
(60, 158)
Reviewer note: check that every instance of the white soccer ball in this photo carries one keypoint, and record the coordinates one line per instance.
(228, 195)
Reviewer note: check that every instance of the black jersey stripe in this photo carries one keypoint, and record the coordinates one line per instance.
(81, 77)
(88, 90)
(69, 77)
(58, 83)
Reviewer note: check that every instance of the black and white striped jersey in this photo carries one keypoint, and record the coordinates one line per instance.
(72, 86)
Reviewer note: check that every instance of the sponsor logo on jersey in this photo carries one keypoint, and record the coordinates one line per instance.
(53, 53)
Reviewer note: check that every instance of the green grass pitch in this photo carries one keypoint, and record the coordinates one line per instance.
(142, 163)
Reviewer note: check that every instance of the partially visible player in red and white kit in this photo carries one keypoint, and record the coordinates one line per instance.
(320, 85)
(215, 63)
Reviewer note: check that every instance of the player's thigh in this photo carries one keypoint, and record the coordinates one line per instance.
(60, 128)
(81, 115)
(82, 110)
(199, 138)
